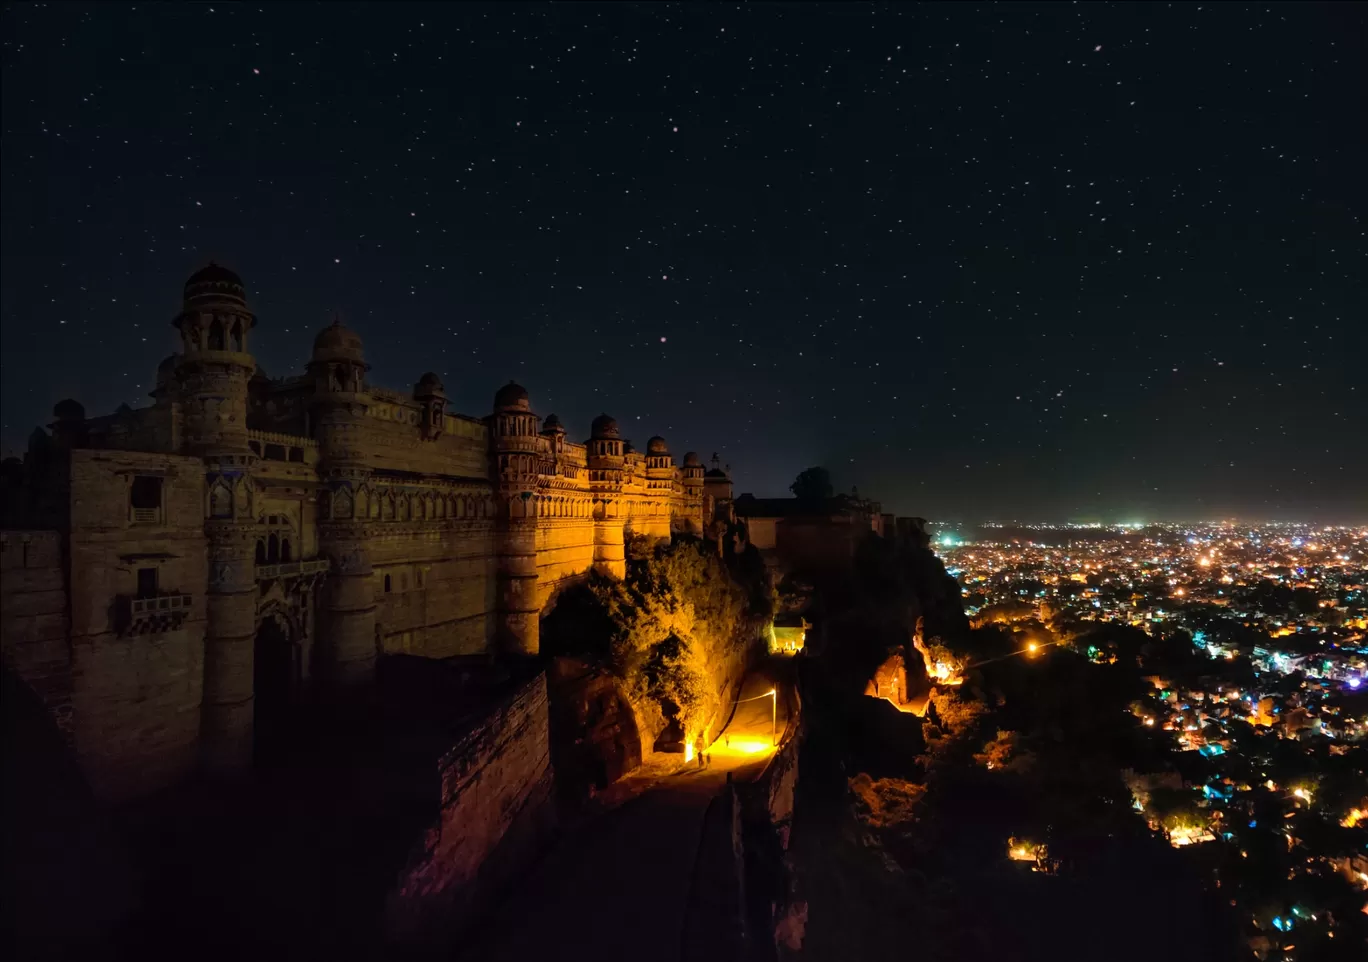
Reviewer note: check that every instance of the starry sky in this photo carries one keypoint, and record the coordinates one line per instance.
(1035, 261)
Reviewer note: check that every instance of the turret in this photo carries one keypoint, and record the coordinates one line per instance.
(514, 445)
(338, 368)
(69, 426)
(513, 437)
(431, 394)
(215, 362)
(691, 478)
(554, 432)
(606, 452)
(209, 382)
(346, 651)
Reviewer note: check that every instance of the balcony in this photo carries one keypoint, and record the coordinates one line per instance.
(292, 569)
(153, 615)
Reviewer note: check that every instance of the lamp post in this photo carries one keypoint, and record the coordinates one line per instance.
(774, 715)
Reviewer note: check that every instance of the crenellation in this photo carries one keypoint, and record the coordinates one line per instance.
(245, 540)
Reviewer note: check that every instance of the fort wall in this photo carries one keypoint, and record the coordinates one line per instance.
(496, 808)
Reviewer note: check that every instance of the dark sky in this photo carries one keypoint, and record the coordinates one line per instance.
(1020, 260)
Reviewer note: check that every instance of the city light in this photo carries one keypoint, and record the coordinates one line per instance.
(1254, 644)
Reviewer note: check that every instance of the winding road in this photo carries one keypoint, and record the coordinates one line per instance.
(618, 887)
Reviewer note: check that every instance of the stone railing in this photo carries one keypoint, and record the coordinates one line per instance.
(292, 569)
(160, 613)
(289, 440)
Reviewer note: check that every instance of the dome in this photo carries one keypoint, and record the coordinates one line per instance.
(338, 343)
(552, 425)
(511, 397)
(69, 410)
(604, 427)
(657, 445)
(213, 282)
(428, 384)
(168, 366)
(715, 473)
(691, 460)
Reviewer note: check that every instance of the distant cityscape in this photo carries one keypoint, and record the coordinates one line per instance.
(1253, 640)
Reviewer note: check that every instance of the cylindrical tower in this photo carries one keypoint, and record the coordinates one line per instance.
(215, 362)
(606, 455)
(208, 381)
(431, 394)
(661, 480)
(346, 650)
(514, 447)
(693, 492)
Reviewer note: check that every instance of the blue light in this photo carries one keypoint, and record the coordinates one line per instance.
(1253, 823)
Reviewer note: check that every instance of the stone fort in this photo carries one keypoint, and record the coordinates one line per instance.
(175, 575)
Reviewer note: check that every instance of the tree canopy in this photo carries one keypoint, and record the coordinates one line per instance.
(812, 485)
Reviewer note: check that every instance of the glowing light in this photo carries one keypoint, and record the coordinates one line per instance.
(748, 746)
(1032, 647)
(688, 750)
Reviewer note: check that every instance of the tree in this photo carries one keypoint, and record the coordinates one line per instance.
(812, 485)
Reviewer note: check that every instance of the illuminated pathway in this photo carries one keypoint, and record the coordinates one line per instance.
(617, 887)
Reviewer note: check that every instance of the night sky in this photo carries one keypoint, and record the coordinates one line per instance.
(1088, 261)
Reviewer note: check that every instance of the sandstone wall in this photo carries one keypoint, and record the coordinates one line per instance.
(33, 619)
(441, 596)
(565, 553)
(496, 811)
(135, 695)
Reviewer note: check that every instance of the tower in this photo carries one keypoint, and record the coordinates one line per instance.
(209, 383)
(347, 645)
(514, 448)
(717, 492)
(605, 483)
(660, 485)
(692, 480)
(431, 394)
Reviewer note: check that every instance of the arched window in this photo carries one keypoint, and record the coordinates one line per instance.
(273, 548)
(261, 552)
(237, 335)
(216, 335)
(284, 549)
(387, 584)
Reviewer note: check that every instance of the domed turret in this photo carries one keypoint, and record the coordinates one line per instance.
(338, 363)
(338, 343)
(429, 385)
(214, 315)
(691, 460)
(430, 393)
(69, 410)
(511, 397)
(214, 283)
(603, 427)
(552, 425)
(657, 445)
(69, 428)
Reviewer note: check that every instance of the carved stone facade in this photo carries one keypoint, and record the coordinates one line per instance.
(240, 526)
